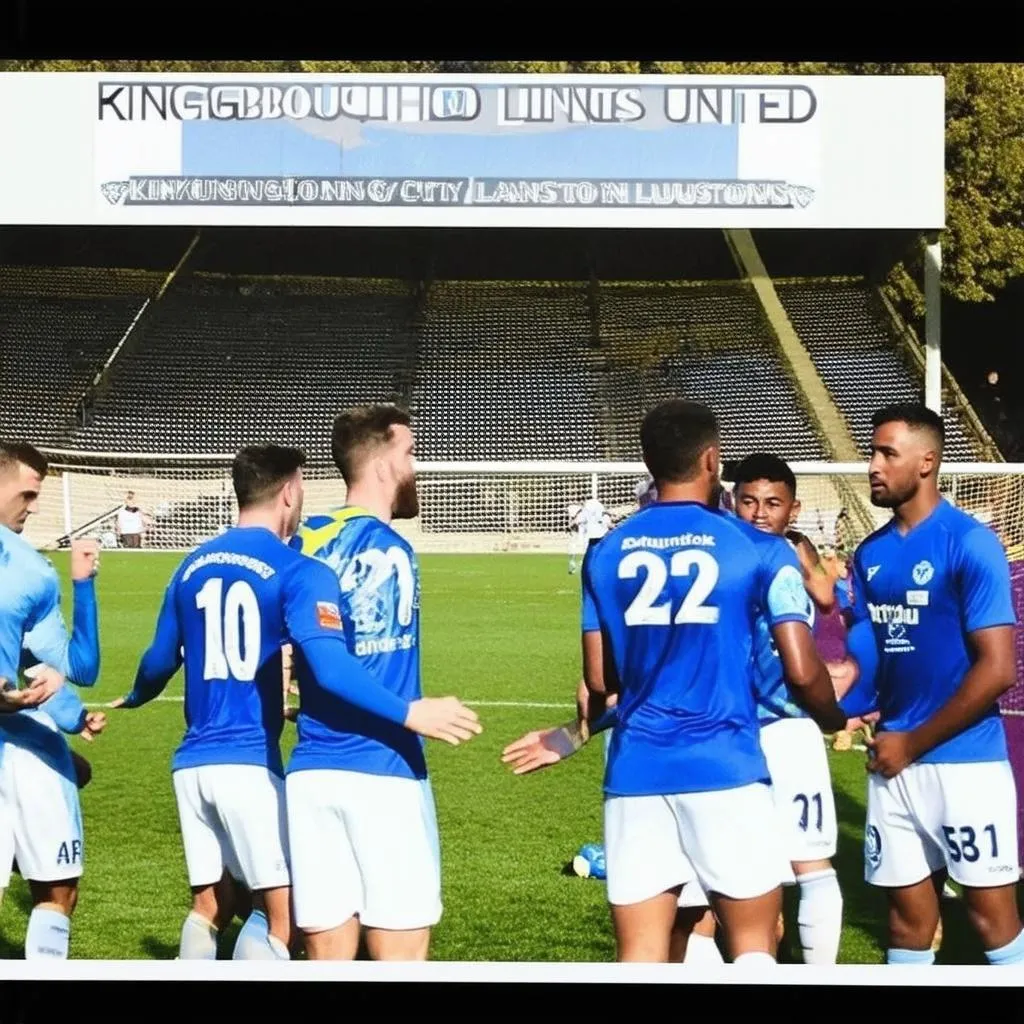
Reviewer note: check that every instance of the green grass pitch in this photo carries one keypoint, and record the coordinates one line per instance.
(500, 632)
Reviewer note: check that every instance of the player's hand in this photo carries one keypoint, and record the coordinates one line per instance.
(85, 558)
(291, 714)
(44, 681)
(443, 718)
(95, 723)
(536, 750)
(18, 700)
(889, 753)
(119, 703)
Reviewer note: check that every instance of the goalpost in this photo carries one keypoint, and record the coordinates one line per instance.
(470, 507)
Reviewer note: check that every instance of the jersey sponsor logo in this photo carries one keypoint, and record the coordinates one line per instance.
(684, 540)
(923, 572)
(255, 565)
(385, 645)
(893, 614)
(918, 598)
(328, 615)
(896, 618)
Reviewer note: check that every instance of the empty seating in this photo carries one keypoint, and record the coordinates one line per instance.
(858, 360)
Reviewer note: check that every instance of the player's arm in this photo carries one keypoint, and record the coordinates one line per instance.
(541, 748)
(786, 605)
(854, 678)
(989, 622)
(817, 581)
(76, 657)
(599, 673)
(162, 658)
(314, 625)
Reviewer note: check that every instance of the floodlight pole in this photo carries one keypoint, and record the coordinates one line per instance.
(932, 322)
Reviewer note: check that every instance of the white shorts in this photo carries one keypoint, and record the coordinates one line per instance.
(233, 818)
(363, 845)
(802, 785)
(40, 819)
(727, 841)
(961, 817)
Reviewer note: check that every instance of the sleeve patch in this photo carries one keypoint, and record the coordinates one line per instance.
(327, 615)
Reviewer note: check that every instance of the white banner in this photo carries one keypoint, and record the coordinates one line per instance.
(474, 150)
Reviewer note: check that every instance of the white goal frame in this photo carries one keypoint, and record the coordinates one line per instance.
(467, 507)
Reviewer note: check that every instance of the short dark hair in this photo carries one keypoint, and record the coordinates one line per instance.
(259, 471)
(360, 429)
(914, 415)
(673, 436)
(762, 466)
(13, 453)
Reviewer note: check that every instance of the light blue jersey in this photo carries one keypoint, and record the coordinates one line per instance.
(916, 599)
(378, 578)
(32, 630)
(771, 691)
(228, 610)
(676, 590)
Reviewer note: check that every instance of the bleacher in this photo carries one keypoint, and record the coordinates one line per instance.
(266, 334)
(50, 351)
(710, 343)
(843, 329)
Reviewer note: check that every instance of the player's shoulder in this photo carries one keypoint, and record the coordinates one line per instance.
(763, 545)
(969, 537)
(877, 536)
(322, 534)
(961, 525)
(18, 551)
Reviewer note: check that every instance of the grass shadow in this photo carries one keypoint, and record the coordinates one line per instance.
(158, 949)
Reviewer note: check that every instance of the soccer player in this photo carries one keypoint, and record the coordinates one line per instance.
(933, 637)
(589, 524)
(40, 813)
(677, 588)
(228, 610)
(764, 492)
(361, 815)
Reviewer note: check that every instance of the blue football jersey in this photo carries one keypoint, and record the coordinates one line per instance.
(378, 578)
(922, 594)
(228, 610)
(677, 590)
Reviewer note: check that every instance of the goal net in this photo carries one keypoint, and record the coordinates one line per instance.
(469, 506)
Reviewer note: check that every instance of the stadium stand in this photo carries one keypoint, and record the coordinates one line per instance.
(531, 345)
(842, 326)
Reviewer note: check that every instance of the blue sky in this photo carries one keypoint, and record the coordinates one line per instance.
(612, 151)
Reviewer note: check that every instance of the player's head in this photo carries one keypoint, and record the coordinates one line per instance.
(764, 493)
(680, 444)
(22, 471)
(906, 451)
(268, 480)
(373, 446)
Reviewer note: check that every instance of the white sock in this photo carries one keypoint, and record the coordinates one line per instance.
(47, 936)
(820, 916)
(702, 949)
(198, 939)
(256, 943)
(755, 959)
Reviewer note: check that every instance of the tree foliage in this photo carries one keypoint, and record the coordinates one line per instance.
(983, 243)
